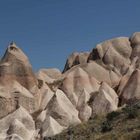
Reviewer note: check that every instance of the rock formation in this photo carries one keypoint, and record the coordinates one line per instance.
(35, 106)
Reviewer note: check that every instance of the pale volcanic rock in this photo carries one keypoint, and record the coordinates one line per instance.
(114, 53)
(13, 137)
(14, 94)
(101, 73)
(105, 101)
(135, 38)
(51, 127)
(20, 114)
(41, 105)
(75, 81)
(83, 98)
(124, 80)
(45, 95)
(19, 129)
(84, 109)
(131, 90)
(7, 105)
(21, 121)
(14, 65)
(85, 113)
(49, 75)
(135, 42)
(40, 119)
(17, 78)
(75, 59)
(62, 110)
(104, 86)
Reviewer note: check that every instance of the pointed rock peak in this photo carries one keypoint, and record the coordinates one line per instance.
(51, 127)
(13, 52)
(12, 45)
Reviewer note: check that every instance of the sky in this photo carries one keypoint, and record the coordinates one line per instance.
(48, 31)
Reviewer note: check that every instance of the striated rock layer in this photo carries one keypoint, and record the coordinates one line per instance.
(37, 106)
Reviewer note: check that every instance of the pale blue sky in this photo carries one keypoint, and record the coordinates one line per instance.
(50, 30)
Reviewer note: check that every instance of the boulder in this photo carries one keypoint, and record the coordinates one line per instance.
(62, 110)
(51, 127)
(131, 91)
(84, 109)
(105, 101)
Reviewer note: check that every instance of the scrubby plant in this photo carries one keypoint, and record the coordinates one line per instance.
(132, 112)
(110, 116)
(106, 126)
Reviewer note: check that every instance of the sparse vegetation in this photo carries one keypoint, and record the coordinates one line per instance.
(106, 126)
(120, 125)
(112, 115)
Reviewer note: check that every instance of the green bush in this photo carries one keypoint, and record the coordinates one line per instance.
(106, 126)
(112, 115)
(132, 112)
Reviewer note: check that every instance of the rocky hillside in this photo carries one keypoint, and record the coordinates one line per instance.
(37, 106)
(123, 124)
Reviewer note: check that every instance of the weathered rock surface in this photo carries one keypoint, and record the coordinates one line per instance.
(75, 81)
(85, 110)
(15, 65)
(35, 106)
(75, 59)
(114, 53)
(49, 75)
(19, 122)
(51, 127)
(105, 101)
(62, 110)
(131, 90)
(102, 73)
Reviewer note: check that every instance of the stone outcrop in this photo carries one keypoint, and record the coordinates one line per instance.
(38, 106)
(51, 127)
(114, 53)
(62, 110)
(131, 90)
(14, 65)
(105, 101)
(75, 59)
(19, 122)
